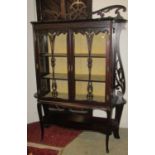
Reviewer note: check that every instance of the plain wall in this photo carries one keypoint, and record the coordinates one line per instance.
(31, 81)
(31, 88)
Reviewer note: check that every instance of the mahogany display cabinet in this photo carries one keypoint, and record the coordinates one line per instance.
(79, 69)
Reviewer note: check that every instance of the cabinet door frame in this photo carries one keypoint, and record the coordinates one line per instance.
(37, 57)
(108, 62)
(69, 27)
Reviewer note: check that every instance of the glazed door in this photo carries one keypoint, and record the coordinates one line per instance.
(52, 60)
(91, 65)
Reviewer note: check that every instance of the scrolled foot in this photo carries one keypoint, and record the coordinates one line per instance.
(116, 134)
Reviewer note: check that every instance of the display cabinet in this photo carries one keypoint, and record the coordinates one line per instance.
(79, 69)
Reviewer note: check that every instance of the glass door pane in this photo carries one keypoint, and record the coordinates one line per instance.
(90, 65)
(53, 64)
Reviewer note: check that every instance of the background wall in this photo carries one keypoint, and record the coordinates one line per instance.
(31, 88)
(31, 83)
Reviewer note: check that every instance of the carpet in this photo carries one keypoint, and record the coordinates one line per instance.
(55, 139)
(39, 151)
(93, 143)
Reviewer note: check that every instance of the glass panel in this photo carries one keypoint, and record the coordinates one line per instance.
(60, 44)
(62, 86)
(99, 43)
(44, 86)
(98, 91)
(80, 43)
(53, 67)
(98, 66)
(90, 65)
(62, 89)
(43, 65)
(43, 43)
(60, 65)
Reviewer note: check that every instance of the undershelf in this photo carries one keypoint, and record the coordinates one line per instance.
(80, 121)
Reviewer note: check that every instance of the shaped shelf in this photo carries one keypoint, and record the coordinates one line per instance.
(92, 55)
(58, 76)
(94, 78)
(60, 95)
(55, 54)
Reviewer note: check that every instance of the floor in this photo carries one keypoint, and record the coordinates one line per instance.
(92, 143)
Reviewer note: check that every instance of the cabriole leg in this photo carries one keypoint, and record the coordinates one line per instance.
(118, 114)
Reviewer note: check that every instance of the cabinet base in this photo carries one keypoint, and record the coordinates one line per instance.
(80, 121)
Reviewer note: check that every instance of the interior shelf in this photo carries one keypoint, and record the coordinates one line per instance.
(79, 97)
(92, 55)
(96, 98)
(94, 78)
(55, 54)
(76, 55)
(60, 95)
(58, 76)
(78, 77)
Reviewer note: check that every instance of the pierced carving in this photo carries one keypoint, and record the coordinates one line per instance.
(90, 63)
(51, 9)
(89, 32)
(119, 75)
(57, 10)
(90, 36)
(51, 14)
(77, 10)
(53, 63)
(54, 88)
(106, 10)
(90, 91)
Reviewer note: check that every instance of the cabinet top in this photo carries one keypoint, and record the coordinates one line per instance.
(80, 21)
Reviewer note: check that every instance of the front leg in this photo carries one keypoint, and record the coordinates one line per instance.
(107, 143)
(39, 107)
(108, 130)
(118, 114)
